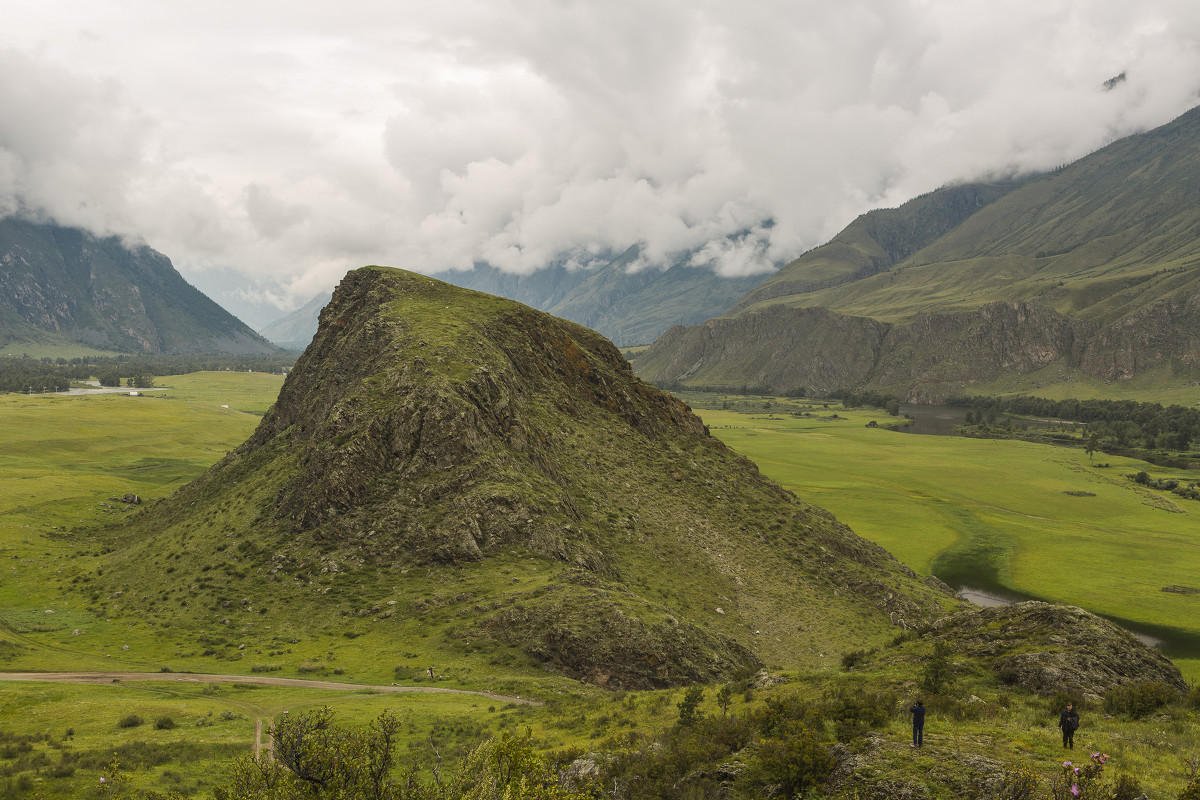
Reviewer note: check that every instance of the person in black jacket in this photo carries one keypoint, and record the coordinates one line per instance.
(1068, 721)
(918, 716)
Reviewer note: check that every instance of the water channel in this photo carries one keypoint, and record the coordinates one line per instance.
(978, 582)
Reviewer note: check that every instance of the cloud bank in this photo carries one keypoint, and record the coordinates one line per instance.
(277, 145)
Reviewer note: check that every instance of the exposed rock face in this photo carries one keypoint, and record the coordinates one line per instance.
(931, 358)
(428, 426)
(1049, 648)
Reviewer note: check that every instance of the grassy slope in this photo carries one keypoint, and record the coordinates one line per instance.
(1097, 239)
(922, 497)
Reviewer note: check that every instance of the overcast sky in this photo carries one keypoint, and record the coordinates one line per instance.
(267, 147)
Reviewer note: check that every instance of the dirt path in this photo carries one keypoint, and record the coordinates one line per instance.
(197, 677)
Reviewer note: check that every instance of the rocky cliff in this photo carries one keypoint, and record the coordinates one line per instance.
(927, 359)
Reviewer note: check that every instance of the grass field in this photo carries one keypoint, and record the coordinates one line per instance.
(1049, 522)
(1109, 546)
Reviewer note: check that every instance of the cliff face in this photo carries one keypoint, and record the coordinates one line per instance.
(427, 428)
(930, 358)
(63, 284)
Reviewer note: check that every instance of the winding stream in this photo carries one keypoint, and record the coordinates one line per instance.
(974, 576)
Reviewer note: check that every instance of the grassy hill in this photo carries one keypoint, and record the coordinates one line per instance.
(499, 479)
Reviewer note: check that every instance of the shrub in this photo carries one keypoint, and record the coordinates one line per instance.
(129, 721)
(1019, 784)
(687, 708)
(789, 765)
(164, 723)
(1126, 787)
(851, 659)
(1139, 699)
(854, 712)
(938, 673)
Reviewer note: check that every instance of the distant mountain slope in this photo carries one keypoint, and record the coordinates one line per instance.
(65, 285)
(627, 308)
(432, 436)
(1097, 240)
(1106, 249)
(295, 330)
(874, 243)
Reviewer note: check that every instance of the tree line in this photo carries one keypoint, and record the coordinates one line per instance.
(1119, 423)
(35, 375)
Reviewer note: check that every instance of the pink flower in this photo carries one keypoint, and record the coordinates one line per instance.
(102, 780)
(1066, 763)
(1075, 790)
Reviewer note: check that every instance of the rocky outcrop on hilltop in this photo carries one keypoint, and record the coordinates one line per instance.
(431, 431)
(931, 358)
(1047, 648)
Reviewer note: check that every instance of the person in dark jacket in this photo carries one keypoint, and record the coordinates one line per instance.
(1068, 721)
(918, 717)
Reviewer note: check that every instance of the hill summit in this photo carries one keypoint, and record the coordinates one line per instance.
(435, 433)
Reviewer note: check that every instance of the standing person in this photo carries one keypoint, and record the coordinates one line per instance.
(918, 716)
(1068, 721)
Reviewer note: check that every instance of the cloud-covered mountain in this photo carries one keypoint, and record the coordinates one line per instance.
(64, 286)
(1092, 269)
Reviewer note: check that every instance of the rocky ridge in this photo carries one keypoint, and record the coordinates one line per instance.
(428, 427)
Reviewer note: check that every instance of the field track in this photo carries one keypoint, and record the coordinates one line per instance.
(195, 677)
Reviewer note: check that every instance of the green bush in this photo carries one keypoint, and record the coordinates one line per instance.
(1139, 699)
(164, 723)
(854, 711)
(789, 765)
(129, 721)
(1126, 787)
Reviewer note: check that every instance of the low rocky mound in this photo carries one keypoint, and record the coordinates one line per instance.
(1050, 648)
(428, 427)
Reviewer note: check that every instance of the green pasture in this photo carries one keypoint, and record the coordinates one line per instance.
(190, 733)
(1050, 522)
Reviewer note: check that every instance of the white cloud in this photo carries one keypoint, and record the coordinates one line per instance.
(286, 143)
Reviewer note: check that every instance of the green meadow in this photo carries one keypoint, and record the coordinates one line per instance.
(1041, 521)
(1049, 522)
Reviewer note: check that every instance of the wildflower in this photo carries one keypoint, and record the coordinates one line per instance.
(102, 779)
(1066, 763)
(1075, 790)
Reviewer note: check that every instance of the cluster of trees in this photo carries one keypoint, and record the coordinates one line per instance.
(56, 375)
(1190, 491)
(850, 399)
(1113, 423)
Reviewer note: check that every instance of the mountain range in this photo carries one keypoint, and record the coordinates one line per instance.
(64, 287)
(1092, 270)
(629, 308)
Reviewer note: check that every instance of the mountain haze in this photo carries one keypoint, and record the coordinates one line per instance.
(626, 307)
(63, 286)
(1093, 269)
(431, 433)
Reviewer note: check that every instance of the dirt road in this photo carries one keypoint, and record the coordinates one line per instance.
(198, 677)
